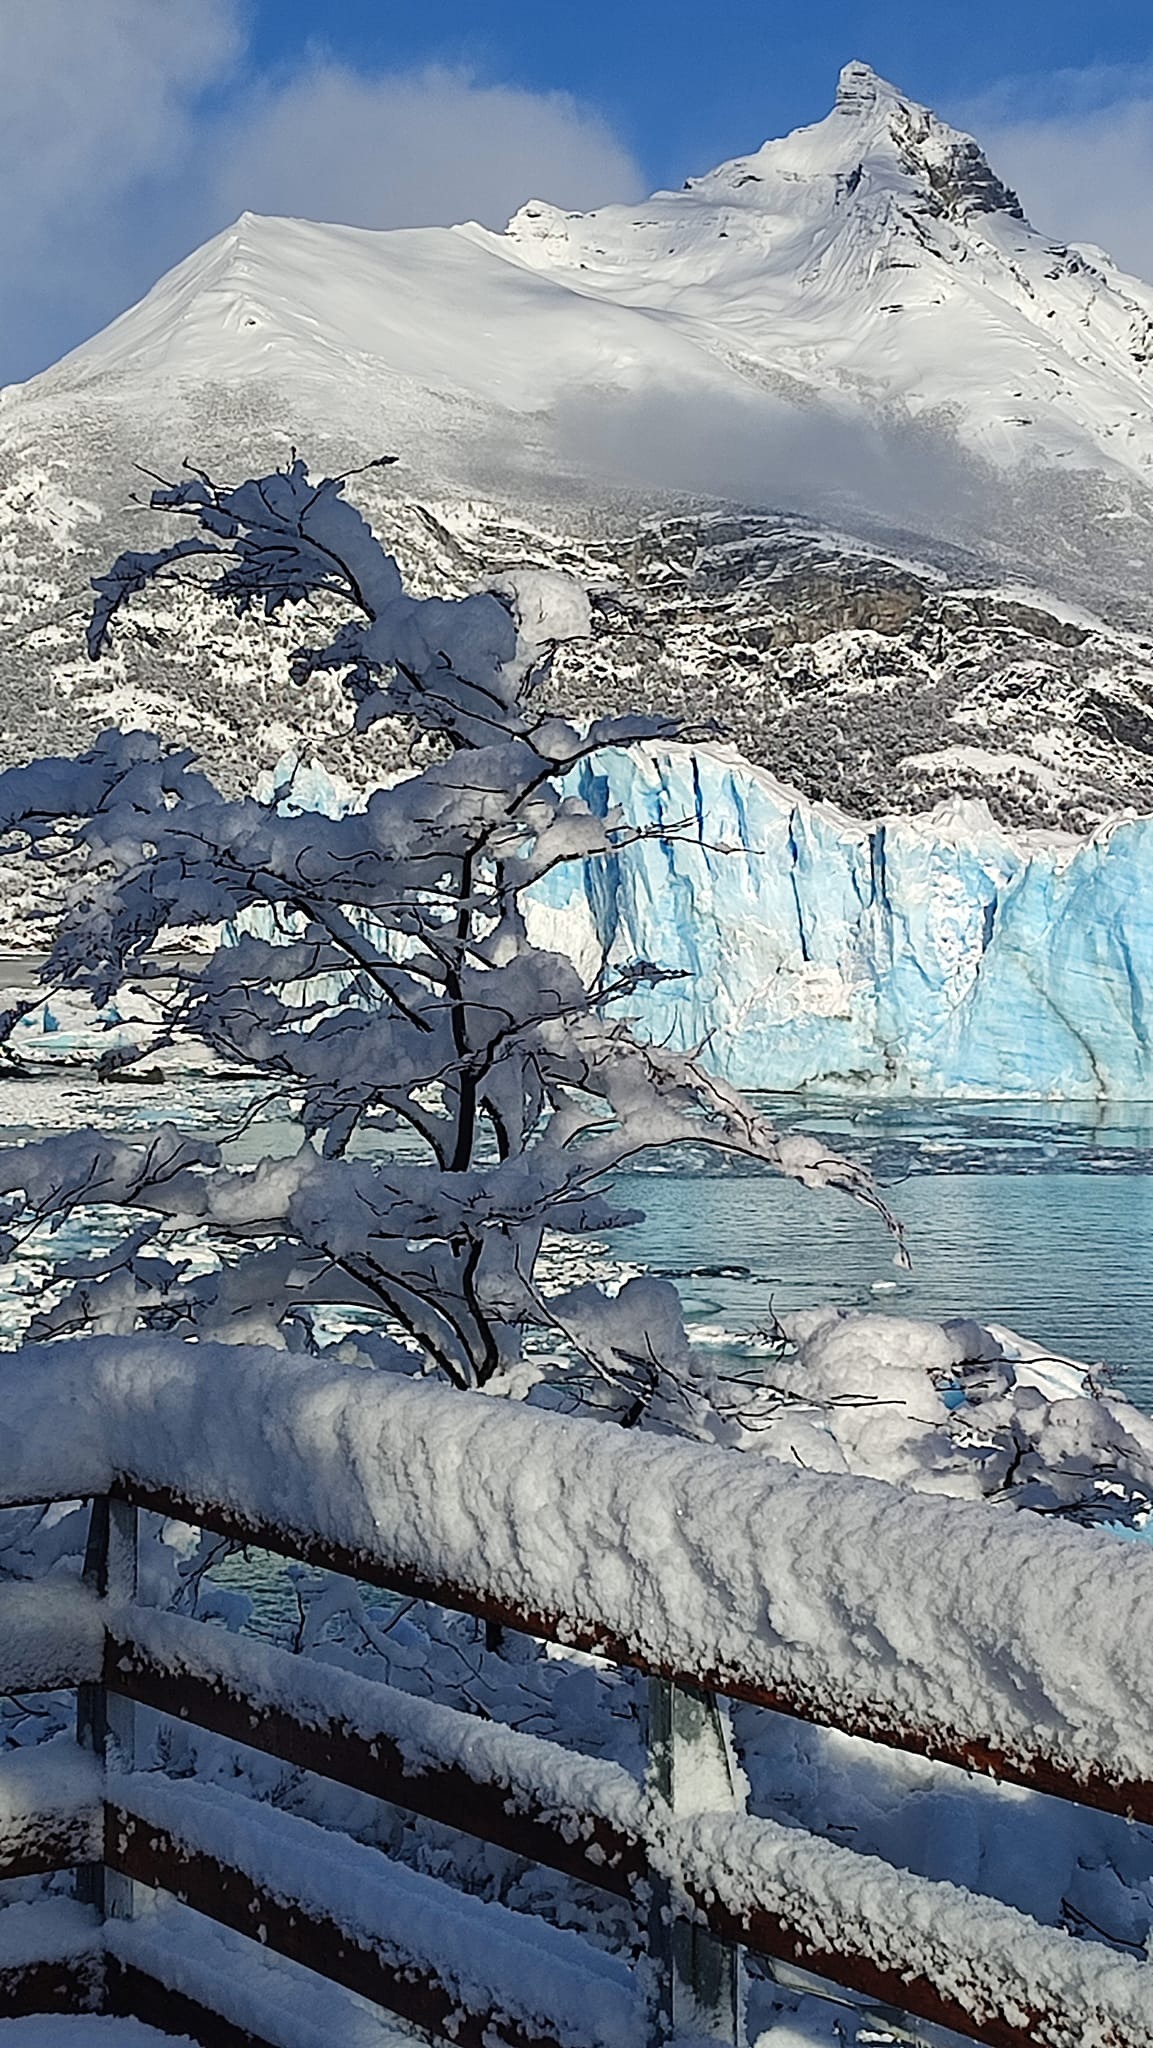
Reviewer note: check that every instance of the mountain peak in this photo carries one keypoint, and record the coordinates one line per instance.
(860, 86)
(870, 263)
(958, 179)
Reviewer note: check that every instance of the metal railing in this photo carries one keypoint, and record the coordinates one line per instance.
(708, 1886)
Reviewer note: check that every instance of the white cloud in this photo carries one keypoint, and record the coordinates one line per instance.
(89, 96)
(129, 133)
(1078, 149)
(417, 149)
(96, 104)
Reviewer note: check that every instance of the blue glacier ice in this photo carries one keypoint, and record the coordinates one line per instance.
(938, 955)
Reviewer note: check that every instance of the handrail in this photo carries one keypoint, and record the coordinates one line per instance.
(158, 1660)
(438, 1961)
(671, 1500)
(516, 1791)
(844, 1601)
(1093, 1785)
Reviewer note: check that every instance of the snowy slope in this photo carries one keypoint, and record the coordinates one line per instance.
(882, 682)
(433, 309)
(874, 260)
(877, 256)
(854, 326)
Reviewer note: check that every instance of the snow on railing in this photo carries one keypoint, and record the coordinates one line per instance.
(998, 1642)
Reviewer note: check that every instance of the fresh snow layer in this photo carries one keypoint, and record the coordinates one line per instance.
(55, 1930)
(51, 1794)
(535, 1774)
(485, 1956)
(51, 1634)
(875, 250)
(994, 1962)
(851, 1595)
(249, 1985)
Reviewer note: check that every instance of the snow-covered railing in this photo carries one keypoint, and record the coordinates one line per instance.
(1000, 1643)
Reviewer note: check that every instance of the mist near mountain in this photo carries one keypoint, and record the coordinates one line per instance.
(765, 453)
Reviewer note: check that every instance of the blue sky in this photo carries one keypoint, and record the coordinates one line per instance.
(131, 130)
(688, 82)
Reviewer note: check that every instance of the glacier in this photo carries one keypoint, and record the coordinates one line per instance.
(936, 955)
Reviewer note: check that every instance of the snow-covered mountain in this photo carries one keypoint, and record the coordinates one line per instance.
(874, 260)
(877, 257)
(857, 465)
(936, 414)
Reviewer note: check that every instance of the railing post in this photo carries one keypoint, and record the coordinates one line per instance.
(698, 1981)
(106, 1723)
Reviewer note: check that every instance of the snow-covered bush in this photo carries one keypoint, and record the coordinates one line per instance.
(385, 988)
(457, 1098)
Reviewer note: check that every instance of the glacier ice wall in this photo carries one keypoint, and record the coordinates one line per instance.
(936, 955)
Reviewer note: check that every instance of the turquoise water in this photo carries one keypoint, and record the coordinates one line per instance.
(1041, 1219)
(1039, 1216)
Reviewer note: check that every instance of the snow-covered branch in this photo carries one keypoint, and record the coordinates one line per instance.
(376, 970)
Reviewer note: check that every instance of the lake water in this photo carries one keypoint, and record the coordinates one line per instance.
(1039, 1216)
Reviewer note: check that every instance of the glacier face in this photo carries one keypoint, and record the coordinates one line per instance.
(937, 955)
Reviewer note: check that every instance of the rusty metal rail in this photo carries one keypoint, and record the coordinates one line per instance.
(622, 1859)
(1130, 1798)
